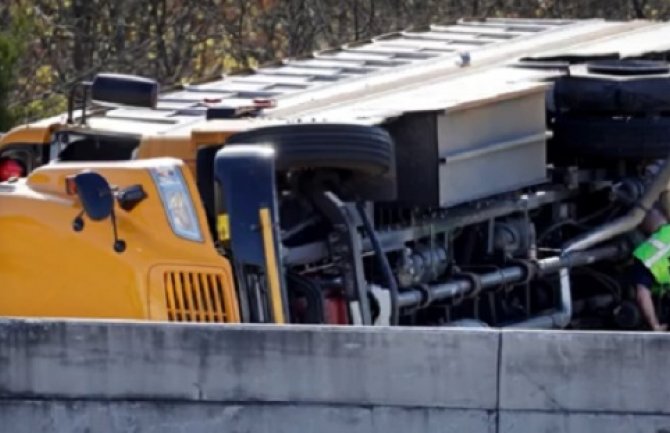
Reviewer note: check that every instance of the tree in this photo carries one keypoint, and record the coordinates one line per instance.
(174, 41)
(10, 48)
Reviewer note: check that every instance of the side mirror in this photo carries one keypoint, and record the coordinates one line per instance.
(95, 195)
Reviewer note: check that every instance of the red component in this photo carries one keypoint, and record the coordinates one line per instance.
(265, 103)
(211, 100)
(70, 186)
(335, 309)
(10, 168)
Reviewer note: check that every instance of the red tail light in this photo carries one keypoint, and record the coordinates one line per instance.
(265, 103)
(10, 168)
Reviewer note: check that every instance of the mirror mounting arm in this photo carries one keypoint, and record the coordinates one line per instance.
(78, 223)
(119, 244)
(97, 199)
(84, 86)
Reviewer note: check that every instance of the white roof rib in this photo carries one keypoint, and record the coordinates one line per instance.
(392, 73)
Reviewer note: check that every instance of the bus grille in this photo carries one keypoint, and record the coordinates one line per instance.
(195, 297)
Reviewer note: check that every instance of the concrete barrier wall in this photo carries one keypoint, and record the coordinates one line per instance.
(200, 378)
(584, 382)
(92, 377)
(184, 417)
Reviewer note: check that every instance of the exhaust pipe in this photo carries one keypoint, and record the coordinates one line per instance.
(510, 275)
(627, 222)
(558, 319)
(562, 317)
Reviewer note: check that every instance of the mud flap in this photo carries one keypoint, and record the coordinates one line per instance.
(247, 213)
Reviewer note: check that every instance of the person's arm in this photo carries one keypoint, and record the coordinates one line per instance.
(647, 305)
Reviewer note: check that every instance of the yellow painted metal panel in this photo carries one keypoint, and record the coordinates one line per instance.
(271, 266)
(49, 270)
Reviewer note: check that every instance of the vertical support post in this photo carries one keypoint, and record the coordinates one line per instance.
(271, 266)
(249, 209)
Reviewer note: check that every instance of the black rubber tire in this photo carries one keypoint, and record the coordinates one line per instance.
(358, 148)
(628, 67)
(563, 62)
(628, 138)
(615, 87)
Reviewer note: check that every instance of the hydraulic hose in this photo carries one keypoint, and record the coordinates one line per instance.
(383, 263)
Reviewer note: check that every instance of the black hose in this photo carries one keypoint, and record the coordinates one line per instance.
(607, 281)
(552, 228)
(383, 263)
(580, 223)
(627, 222)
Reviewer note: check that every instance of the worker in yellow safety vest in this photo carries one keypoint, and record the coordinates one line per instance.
(651, 270)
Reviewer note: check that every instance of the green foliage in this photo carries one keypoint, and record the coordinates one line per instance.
(19, 32)
(61, 42)
(10, 49)
(49, 104)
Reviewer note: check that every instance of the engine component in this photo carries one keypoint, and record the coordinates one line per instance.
(627, 222)
(421, 265)
(347, 252)
(627, 315)
(307, 298)
(512, 274)
(628, 191)
(513, 237)
(559, 318)
(383, 300)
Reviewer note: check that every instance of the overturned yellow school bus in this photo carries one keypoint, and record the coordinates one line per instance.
(466, 174)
